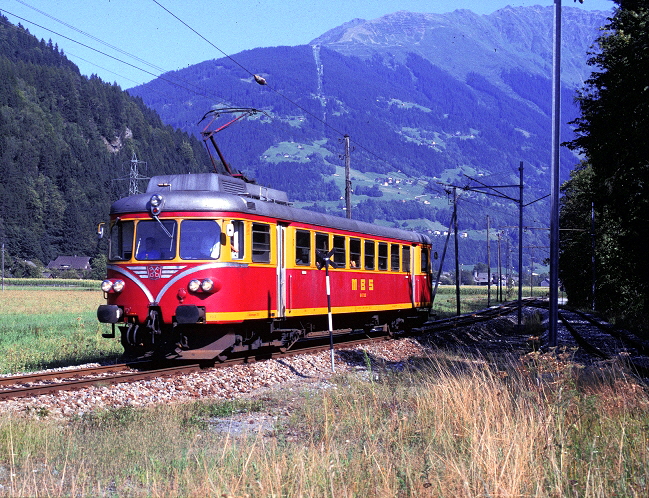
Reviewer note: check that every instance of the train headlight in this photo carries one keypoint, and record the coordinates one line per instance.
(112, 286)
(155, 204)
(194, 285)
(207, 285)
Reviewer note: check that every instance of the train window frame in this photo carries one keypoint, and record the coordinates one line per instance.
(260, 242)
(156, 230)
(405, 259)
(319, 239)
(425, 260)
(382, 256)
(209, 243)
(340, 251)
(369, 258)
(395, 259)
(237, 239)
(355, 255)
(302, 251)
(120, 243)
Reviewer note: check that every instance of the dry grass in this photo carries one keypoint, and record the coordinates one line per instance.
(454, 426)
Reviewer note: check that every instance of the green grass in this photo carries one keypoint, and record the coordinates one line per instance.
(475, 297)
(51, 327)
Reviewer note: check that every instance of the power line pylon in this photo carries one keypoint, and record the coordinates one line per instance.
(134, 176)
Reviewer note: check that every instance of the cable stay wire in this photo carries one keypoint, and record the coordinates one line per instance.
(186, 85)
(180, 83)
(265, 83)
(161, 77)
(92, 37)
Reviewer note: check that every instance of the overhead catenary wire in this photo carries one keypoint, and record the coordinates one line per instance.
(162, 77)
(265, 82)
(188, 86)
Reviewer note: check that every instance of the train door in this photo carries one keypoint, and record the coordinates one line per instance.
(281, 270)
(413, 280)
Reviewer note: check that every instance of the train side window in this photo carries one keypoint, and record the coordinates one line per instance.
(394, 257)
(369, 254)
(261, 243)
(322, 242)
(340, 255)
(383, 256)
(424, 260)
(236, 235)
(405, 258)
(121, 241)
(355, 253)
(302, 247)
(200, 239)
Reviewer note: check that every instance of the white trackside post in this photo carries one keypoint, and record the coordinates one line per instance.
(331, 328)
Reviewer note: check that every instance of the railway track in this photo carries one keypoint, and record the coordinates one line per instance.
(601, 341)
(74, 379)
(593, 340)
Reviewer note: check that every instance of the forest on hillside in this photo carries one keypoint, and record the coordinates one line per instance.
(64, 141)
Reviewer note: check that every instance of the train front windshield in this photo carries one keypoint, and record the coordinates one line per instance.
(155, 239)
(200, 239)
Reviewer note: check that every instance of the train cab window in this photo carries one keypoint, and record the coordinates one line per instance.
(355, 253)
(302, 247)
(200, 239)
(121, 241)
(155, 240)
(369, 254)
(394, 257)
(405, 259)
(261, 243)
(383, 256)
(340, 255)
(235, 232)
(424, 260)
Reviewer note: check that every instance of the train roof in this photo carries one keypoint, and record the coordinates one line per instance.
(215, 192)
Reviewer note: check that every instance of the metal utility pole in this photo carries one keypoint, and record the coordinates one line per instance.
(441, 263)
(520, 248)
(592, 247)
(348, 182)
(500, 271)
(488, 266)
(554, 191)
(457, 259)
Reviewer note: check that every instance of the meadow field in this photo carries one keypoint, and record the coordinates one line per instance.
(449, 424)
(44, 327)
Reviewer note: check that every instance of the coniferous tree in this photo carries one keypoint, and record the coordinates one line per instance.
(611, 132)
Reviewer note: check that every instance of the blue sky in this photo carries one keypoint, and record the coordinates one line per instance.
(161, 42)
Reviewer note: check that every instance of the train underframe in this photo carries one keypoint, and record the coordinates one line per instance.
(201, 341)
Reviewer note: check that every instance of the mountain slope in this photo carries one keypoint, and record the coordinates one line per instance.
(462, 42)
(64, 139)
(425, 99)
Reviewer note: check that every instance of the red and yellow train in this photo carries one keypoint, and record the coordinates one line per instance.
(204, 265)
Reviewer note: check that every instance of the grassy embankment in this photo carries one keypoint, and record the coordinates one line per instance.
(452, 425)
(51, 327)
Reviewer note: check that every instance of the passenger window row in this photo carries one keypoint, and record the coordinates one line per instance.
(365, 254)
